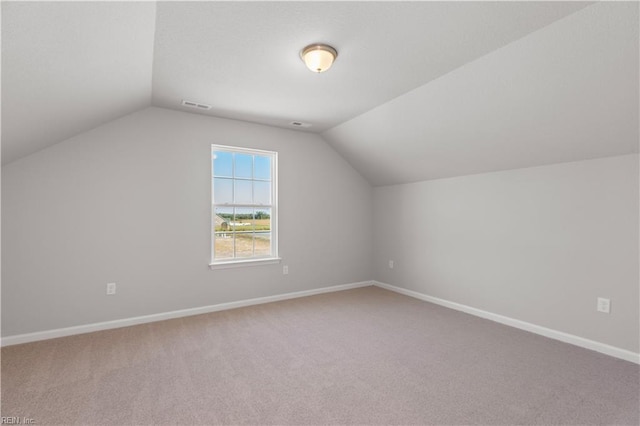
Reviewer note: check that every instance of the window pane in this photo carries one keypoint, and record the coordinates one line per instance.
(243, 219)
(222, 191)
(263, 232)
(224, 241)
(223, 219)
(243, 193)
(244, 232)
(222, 164)
(262, 167)
(263, 243)
(223, 245)
(263, 220)
(244, 244)
(261, 192)
(244, 166)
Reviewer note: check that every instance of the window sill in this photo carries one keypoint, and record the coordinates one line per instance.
(247, 262)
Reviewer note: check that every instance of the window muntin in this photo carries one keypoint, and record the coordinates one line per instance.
(244, 205)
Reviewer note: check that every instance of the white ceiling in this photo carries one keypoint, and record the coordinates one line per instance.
(242, 58)
(567, 92)
(420, 89)
(69, 67)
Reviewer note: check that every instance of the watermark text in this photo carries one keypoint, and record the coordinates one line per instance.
(14, 420)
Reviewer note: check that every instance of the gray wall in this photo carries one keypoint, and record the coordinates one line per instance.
(537, 244)
(129, 202)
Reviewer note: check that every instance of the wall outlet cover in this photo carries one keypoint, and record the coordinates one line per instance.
(604, 305)
(111, 288)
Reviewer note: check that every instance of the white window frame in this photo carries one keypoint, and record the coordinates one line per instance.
(256, 260)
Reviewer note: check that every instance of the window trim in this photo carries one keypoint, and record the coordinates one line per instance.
(228, 264)
(258, 260)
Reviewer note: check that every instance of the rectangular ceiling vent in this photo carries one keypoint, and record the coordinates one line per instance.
(300, 124)
(196, 105)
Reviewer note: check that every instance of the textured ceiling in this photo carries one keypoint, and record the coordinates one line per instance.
(567, 92)
(242, 58)
(420, 90)
(69, 67)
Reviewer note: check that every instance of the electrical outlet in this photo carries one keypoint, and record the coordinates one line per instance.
(604, 305)
(391, 264)
(285, 270)
(111, 289)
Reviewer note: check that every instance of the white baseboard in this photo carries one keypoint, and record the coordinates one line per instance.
(88, 328)
(547, 332)
(543, 331)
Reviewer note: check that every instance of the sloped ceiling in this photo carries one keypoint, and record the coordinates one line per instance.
(420, 89)
(70, 66)
(242, 58)
(567, 92)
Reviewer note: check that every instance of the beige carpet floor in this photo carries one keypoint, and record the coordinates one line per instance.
(364, 356)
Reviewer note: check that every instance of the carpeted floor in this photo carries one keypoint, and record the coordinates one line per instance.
(365, 356)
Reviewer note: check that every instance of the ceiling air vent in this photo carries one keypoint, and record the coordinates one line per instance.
(196, 105)
(299, 124)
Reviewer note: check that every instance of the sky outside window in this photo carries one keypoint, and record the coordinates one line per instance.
(241, 178)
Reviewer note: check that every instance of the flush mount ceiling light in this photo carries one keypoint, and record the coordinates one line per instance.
(318, 57)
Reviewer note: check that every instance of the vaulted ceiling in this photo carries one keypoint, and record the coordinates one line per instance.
(420, 90)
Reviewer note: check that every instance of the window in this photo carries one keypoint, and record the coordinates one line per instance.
(244, 207)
